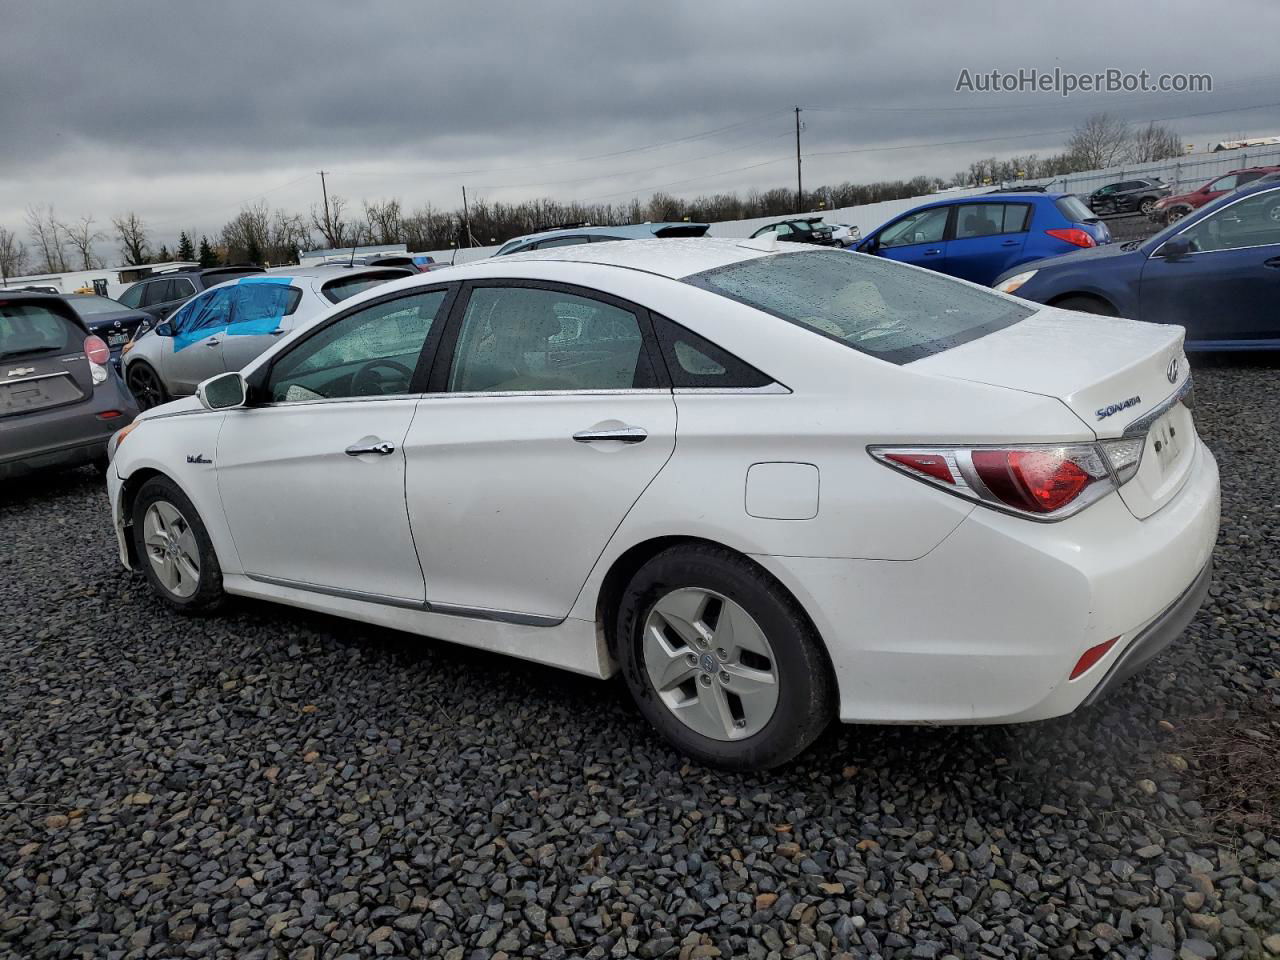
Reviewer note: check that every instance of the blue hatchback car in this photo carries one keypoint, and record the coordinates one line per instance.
(1216, 272)
(979, 238)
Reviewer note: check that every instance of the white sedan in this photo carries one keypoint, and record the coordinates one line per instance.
(771, 484)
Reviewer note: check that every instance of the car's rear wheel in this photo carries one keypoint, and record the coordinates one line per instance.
(146, 386)
(1087, 305)
(173, 548)
(722, 660)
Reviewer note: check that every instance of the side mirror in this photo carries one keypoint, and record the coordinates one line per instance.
(163, 329)
(1174, 247)
(869, 245)
(226, 391)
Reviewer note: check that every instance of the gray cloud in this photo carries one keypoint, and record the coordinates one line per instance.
(181, 113)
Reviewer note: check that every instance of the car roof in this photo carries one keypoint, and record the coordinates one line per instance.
(628, 230)
(676, 257)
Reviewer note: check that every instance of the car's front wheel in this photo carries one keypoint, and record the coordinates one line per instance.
(173, 548)
(722, 660)
(146, 386)
(1147, 205)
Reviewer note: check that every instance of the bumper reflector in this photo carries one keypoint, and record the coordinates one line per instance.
(1092, 656)
(109, 414)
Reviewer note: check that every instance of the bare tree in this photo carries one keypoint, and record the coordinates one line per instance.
(13, 255)
(132, 234)
(384, 221)
(46, 234)
(82, 237)
(1153, 142)
(330, 224)
(1102, 140)
(289, 236)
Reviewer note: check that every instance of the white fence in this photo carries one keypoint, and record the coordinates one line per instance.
(1183, 174)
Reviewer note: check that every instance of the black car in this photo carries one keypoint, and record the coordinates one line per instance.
(1129, 196)
(800, 230)
(115, 323)
(60, 398)
(162, 293)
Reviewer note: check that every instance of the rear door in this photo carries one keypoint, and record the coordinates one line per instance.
(988, 239)
(261, 312)
(1226, 289)
(545, 422)
(918, 238)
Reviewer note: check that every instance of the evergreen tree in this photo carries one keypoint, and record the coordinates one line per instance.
(164, 256)
(253, 252)
(185, 250)
(208, 257)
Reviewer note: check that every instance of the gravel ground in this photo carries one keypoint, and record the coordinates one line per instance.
(276, 784)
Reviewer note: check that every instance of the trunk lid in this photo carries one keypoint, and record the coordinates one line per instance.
(1120, 377)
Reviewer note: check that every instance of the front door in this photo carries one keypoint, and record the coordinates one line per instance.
(312, 480)
(918, 238)
(195, 346)
(533, 445)
(1227, 287)
(262, 312)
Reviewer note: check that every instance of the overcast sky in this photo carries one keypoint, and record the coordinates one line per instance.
(183, 112)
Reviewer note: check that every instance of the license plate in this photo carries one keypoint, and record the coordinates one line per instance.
(1167, 442)
(116, 339)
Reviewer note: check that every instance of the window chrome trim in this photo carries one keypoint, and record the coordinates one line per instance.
(773, 388)
(620, 392)
(1139, 427)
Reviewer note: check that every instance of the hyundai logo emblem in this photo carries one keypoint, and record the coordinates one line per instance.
(1172, 372)
(708, 663)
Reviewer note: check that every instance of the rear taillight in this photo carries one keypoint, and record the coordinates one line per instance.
(99, 354)
(1074, 236)
(1044, 481)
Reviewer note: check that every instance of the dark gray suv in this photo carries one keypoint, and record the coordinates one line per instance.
(60, 397)
(162, 293)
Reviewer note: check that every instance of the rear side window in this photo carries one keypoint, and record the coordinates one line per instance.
(182, 287)
(335, 291)
(28, 329)
(695, 362)
(157, 291)
(132, 297)
(875, 306)
(1075, 209)
(988, 219)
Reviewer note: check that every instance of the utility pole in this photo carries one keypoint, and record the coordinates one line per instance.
(799, 188)
(466, 218)
(328, 225)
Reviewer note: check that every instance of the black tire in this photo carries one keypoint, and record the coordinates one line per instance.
(146, 386)
(208, 594)
(806, 698)
(1147, 204)
(1087, 305)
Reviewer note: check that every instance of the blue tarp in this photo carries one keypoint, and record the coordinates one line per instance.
(253, 306)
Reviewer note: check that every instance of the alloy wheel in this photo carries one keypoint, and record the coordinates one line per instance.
(145, 387)
(171, 548)
(711, 664)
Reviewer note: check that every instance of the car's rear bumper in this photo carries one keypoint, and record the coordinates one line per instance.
(988, 626)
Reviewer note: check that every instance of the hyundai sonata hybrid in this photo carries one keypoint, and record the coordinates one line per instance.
(771, 484)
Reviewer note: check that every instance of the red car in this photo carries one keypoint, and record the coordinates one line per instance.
(1175, 208)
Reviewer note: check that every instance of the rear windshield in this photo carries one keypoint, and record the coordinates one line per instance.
(1075, 209)
(29, 329)
(338, 290)
(88, 306)
(685, 230)
(875, 306)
